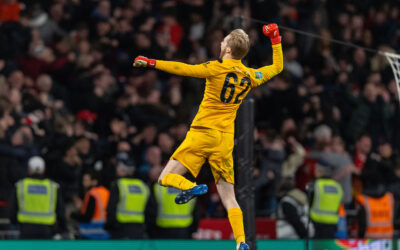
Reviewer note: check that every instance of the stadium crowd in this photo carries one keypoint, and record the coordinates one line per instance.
(68, 92)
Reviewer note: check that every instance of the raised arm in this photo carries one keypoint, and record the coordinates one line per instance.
(177, 68)
(272, 31)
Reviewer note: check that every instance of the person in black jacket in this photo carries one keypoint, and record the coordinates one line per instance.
(90, 180)
(292, 212)
(267, 177)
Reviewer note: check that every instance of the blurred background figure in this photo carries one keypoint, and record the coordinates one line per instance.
(376, 206)
(394, 188)
(293, 212)
(93, 210)
(37, 205)
(295, 157)
(129, 196)
(267, 176)
(326, 195)
(174, 221)
(335, 155)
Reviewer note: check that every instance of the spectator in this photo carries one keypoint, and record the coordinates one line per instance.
(292, 212)
(295, 158)
(167, 145)
(47, 28)
(68, 171)
(152, 161)
(20, 150)
(291, 64)
(10, 10)
(85, 152)
(267, 178)
(361, 153)
(335, 155)
(322, 136)
(371, 115)
(172, 29)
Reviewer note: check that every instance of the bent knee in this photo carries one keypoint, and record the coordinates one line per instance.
(160, 179)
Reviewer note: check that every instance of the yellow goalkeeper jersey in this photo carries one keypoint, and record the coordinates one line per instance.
(227, 82)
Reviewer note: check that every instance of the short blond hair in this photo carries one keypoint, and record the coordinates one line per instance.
(239, 43)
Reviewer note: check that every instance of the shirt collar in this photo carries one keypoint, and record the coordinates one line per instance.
(233, 60)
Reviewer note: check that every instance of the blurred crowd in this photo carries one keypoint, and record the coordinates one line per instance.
(68, 92)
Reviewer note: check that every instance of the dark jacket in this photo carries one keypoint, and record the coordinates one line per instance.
(291, 212)
(373, 118)
(271, 160)
(89, 212)
(68, 176)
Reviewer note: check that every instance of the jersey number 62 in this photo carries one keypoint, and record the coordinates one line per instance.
(231, 87)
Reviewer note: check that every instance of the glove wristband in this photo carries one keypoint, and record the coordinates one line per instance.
(151, 63)
(276, 40)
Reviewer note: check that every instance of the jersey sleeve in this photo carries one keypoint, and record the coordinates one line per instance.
(265, 73)
(203, 70)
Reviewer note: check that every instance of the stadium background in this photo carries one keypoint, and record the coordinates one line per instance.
(68, 91)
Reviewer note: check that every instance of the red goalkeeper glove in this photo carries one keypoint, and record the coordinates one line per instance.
(142, 61)
(272, 31)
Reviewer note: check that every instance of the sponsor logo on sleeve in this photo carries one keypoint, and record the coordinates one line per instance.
(259, 75)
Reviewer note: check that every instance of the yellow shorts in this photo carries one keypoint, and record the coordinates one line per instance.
(201, 144)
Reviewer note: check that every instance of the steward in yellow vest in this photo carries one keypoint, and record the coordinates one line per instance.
(326, 195)
(37, 204)
(173, 220)
(128, 201)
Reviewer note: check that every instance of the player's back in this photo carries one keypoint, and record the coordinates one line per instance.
(224, 92)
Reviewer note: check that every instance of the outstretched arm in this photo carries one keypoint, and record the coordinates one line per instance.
(272, 31)
(177, 68)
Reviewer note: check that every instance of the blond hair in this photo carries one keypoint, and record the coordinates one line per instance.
(239, 43)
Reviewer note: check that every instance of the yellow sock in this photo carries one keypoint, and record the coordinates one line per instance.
(235, 216)
(177, 181)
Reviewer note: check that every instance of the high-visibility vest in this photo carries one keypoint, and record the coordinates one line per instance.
(133, 197)
(379, 213)
(170, 214)
(101, 196)
(37, 200)
(328, 196)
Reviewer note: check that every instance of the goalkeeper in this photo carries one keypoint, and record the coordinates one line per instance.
(211, 135)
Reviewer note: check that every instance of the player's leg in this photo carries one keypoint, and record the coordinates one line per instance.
(227, 194)
(172, 176)
(188, 157)
(221, 162)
